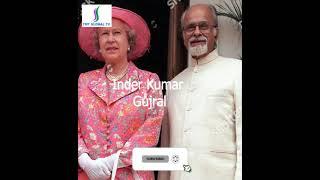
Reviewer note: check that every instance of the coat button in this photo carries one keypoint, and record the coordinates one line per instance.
(196, 69)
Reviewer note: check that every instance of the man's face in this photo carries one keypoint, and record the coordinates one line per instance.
(199, 31)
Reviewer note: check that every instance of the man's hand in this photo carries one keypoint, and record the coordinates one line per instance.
(95, 169)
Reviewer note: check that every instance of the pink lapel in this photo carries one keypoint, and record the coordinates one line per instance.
(100, 85)
(106, 92)
(132, 76)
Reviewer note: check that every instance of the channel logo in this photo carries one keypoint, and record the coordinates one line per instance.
(97, 15)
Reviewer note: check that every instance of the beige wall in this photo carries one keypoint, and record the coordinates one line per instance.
(230, 36)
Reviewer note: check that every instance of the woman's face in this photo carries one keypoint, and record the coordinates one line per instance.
(113, 42)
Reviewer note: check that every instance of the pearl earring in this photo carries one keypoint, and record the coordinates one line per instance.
(109, 68)
(129, 49)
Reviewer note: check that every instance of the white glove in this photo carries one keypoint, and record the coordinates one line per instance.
(95, 169)
(109, 161)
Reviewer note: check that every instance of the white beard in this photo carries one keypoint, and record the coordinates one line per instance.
(199, 49)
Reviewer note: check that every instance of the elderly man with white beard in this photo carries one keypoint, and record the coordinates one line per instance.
(204, 115)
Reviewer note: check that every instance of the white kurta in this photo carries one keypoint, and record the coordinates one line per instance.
(205, 117)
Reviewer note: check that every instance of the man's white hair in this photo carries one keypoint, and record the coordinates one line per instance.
(210, 6)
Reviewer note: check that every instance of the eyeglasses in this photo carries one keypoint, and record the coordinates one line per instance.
(204, 27)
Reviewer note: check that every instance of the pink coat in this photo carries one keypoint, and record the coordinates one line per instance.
(109, 121)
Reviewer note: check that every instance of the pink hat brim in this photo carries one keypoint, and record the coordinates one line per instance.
(133, 20)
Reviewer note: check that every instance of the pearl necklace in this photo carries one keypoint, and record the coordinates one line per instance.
(118, 76)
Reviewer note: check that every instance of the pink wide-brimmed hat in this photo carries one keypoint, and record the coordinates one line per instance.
(133, 20)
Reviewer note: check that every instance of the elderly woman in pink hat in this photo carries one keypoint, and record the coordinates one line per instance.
(110, 123)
